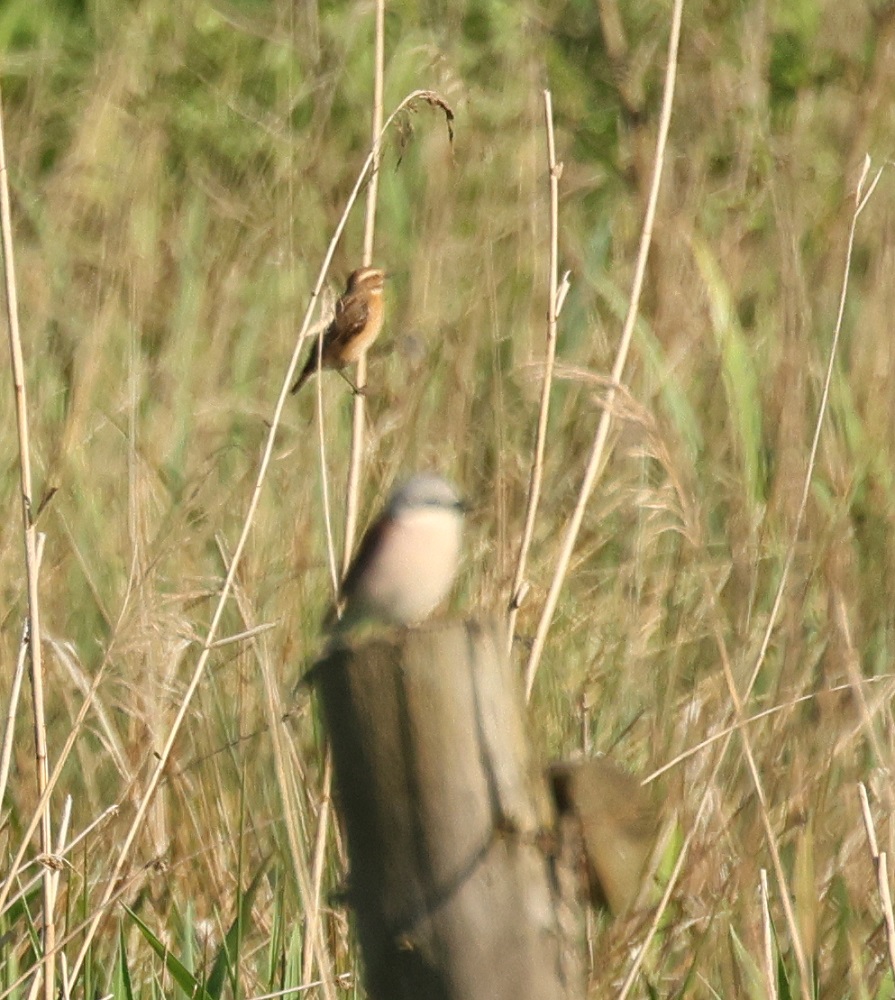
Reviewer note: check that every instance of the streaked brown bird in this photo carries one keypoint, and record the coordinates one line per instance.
(355, 325)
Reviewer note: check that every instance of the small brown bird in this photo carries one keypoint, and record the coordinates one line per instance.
(356, 324)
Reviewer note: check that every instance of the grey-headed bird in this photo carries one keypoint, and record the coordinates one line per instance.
(408, 558)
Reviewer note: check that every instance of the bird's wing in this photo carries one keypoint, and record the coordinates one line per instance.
(352, 599)
(351, 317)
(363, 558)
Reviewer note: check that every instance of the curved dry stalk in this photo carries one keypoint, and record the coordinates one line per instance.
(685, 755)
(555, 298)
(595, 462)
(861, 199)
(289, 796)
(436, 100)
(31, 566)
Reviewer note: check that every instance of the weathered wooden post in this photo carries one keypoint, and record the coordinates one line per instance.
(454, 878)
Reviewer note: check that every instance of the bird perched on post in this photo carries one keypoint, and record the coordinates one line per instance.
(408, 558)
(355, 325)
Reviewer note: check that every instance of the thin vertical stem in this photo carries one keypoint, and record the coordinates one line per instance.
(378, 91)
(31, 565)
(770, 971)
(355, 462)
(553, 306)
(597, 455)
(862, 196)
(881, 868)
(14, 695)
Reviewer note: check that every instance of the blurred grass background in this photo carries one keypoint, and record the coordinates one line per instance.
(177, 171)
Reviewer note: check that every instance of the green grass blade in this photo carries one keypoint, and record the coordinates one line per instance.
(181, 975)
(230, 945)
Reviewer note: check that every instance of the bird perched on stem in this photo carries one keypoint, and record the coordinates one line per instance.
(408, 558)
(355, 325)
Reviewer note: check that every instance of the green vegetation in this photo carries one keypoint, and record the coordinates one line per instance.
(177, 171)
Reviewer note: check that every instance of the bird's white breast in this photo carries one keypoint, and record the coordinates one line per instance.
(413, 567)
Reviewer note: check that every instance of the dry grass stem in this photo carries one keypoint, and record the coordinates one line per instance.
(770, 968)
(74, 731)
(765, 820)
(881, 870)
(242, 636)
(324, 490)
(766, 713)
(885, 896)
(359, 409)
(344, 980)
(554, 305)
(165, 753)
(861, 201)
(862, 196)
(866, 815)
(324, 818)
(32, 568)
(295, 815)
(724, 622)
(7, 884)
(595, 460)
(786, 895)
(356, 456)
(15, 693)
(739, 703)
(805, 983)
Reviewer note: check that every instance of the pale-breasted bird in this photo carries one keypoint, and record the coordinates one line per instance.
(407, 560)
(355, 325)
